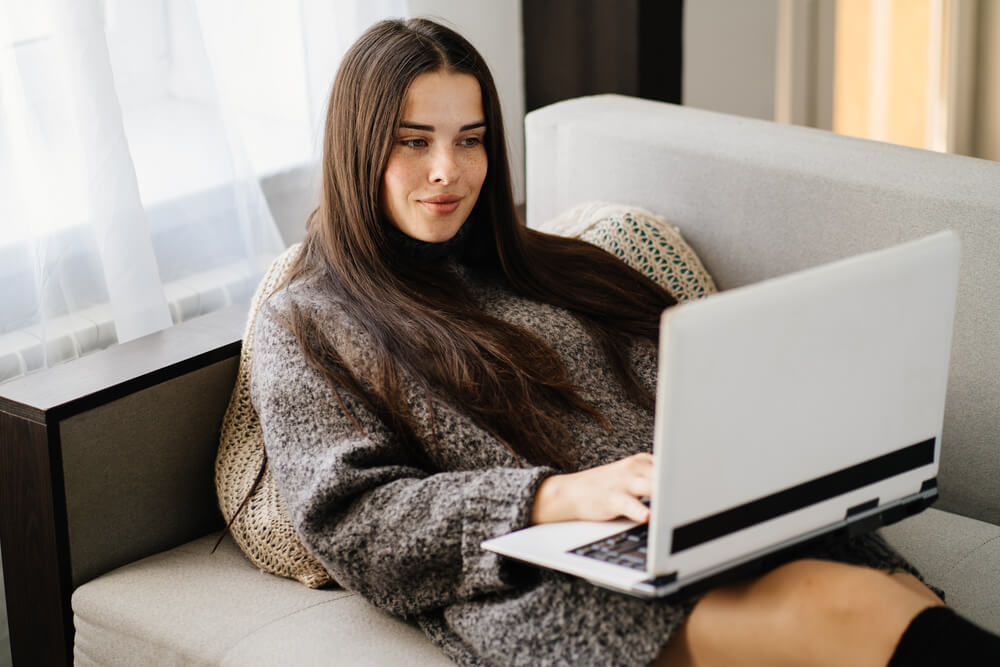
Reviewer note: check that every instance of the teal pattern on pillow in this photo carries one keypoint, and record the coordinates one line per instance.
(655, 248)
(645, 241)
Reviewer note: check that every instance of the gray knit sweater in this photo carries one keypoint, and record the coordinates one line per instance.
(404, 531)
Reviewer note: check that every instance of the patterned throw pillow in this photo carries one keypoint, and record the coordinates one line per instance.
(263, 528)
(643, 240)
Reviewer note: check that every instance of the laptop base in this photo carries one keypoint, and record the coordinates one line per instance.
(668, 587)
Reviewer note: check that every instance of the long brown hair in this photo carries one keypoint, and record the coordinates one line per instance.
(509, 381)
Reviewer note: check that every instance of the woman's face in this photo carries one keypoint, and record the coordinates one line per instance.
(438, 160)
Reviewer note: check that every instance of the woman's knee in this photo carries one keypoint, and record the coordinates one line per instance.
(863, 611)
(806, 612)
(794, 593)
(826, 592)
(815, 587)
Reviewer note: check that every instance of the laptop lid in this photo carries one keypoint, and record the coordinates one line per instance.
(784, 405)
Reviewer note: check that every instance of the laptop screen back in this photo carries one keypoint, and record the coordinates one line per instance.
(784, 403)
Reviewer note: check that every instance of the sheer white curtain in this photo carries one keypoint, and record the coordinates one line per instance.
(133, 138)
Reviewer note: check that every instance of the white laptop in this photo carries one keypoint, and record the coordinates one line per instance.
(803, 409)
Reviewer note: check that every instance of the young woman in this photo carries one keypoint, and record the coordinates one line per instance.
(434, 374)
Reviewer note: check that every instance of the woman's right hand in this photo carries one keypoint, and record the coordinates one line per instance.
(597, 494)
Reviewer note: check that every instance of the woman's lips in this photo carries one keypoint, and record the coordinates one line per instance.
(442, 205)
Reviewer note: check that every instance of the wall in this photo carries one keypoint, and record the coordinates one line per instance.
(730, 51)
(493, 27)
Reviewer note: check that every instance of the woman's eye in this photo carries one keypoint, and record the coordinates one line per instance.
(414, 143)
(471, 141)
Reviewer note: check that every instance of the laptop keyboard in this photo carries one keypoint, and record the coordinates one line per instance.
(627, 548)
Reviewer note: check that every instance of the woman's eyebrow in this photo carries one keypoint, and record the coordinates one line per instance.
(430, 128)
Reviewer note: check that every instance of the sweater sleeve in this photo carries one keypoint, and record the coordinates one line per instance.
(381, 523)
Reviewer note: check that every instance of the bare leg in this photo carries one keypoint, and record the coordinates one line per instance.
(915, 585)
(808, 612)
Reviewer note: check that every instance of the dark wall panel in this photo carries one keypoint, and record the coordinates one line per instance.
(33, 537)
(588, 47)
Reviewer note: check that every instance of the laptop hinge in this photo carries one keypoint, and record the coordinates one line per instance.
(860, 526)
(661, 581)
(863, 507)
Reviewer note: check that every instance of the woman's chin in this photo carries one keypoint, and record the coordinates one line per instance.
(436, 235)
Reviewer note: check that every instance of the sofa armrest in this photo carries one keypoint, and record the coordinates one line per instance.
(105, 460)
(958, 554)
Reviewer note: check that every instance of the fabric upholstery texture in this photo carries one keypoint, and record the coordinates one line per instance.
(167, 425)
(958, 554)
(189, 606)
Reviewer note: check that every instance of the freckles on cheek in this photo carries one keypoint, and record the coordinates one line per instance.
(483, 169)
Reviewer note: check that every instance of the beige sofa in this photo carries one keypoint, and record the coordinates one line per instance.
(108, 461)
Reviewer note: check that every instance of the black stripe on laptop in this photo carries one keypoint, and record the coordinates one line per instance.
(805, 494)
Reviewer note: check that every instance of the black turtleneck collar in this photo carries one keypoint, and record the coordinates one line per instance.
(424, 252)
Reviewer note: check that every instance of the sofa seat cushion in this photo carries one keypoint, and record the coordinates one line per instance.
(957, 554)
(188, 606)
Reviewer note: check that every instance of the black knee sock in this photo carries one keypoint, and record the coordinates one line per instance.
(939, 636)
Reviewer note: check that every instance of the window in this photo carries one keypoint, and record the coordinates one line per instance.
(920, 73)
(133, 138)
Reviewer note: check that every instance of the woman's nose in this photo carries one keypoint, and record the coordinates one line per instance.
(444, 168)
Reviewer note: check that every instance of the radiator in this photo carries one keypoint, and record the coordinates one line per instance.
(91, 329)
